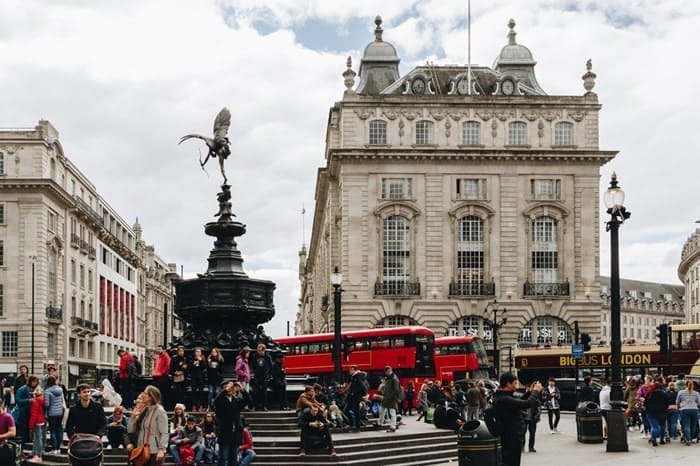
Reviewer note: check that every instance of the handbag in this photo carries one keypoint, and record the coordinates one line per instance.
(178, 377)
(141, 454)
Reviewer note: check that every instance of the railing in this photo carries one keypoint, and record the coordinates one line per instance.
(84, 323)
(546, 289)
(397, 288)
(75, 240)
(54, 314)
(472, 289)
(86, 209)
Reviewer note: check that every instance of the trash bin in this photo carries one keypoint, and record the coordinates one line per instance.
(589, 423)
(476, 445)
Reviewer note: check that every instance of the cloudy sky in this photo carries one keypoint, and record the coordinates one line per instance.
(123, 80)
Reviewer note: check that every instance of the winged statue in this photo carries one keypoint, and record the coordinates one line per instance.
(219, 145)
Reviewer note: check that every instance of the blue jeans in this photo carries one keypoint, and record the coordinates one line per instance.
(38, 440)
(658, 425)
(673, 417)
(247, 457)
(213, 391)
(198, 453)
(56, 431)
(689, 420)
(228, 453)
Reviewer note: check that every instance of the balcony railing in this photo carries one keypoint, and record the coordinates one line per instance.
(84, 323)
(472, 289)
(397, 288)
(546, 289)
(54, 314)
(86, 209)
(75, 240)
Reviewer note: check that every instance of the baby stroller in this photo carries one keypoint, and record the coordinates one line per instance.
(85, 450)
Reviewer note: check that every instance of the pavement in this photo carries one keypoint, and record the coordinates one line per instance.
(563, 448)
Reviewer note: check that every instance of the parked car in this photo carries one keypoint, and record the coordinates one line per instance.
(569, 393)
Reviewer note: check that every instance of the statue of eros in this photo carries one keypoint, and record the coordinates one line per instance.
(219, 146)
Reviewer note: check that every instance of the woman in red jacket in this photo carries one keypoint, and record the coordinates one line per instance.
(245, 451)
(37, 420)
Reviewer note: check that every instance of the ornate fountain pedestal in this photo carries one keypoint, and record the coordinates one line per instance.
(224, 308)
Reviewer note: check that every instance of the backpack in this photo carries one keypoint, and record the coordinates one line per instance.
(138, 366)
(10, 454)
(134, 367)
(493, 420)
(364, 385)
(186, 454)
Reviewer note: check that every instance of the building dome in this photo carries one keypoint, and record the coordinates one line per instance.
(379, 67)
(513, 53)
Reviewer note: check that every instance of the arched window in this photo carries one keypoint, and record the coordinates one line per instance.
(396, 321)
(470, 133)
(470, 255)
(517, 133)
(424, 132)
(564, 134)
(545, 330)
(471, 326)
(377, 132)
(396, 265)
(545, 260)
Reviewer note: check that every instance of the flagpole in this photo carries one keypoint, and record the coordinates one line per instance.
(469, 47)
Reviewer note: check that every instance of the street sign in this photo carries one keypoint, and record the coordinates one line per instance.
(577, 351)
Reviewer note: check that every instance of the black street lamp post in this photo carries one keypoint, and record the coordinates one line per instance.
(617, 431)
(33, 258)
(495, 327)
(337, 291)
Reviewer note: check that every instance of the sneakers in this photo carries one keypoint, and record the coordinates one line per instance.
(391, 429)
(532, 450)
(552, 431)
(302, 452)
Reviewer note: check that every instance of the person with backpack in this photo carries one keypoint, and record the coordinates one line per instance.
(357, 390)
(504, 418)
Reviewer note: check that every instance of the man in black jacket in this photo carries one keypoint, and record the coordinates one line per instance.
(228, 405)
(509, 409)
(355, 393)
(86, 416)
(261, 372)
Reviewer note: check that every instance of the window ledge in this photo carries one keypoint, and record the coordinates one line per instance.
(431, 146)
(471, 146)
(377, 146)
(564, 146)
(517, 146)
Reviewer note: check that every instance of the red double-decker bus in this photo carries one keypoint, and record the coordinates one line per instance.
(459, 358)
(410, 351)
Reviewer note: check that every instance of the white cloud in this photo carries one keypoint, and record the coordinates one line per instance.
(122, 81)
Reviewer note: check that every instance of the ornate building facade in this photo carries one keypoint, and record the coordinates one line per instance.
(457, 200)
(69, 264)
(689, 274)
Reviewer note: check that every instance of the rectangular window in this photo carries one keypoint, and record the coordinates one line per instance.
(2, 163)
(51, 224)
(563, 134)
(73, 271)
(516, 133)
(377, 132)
(2, 214)
(424, 132)
(397, 188)
(2, 300)
(82, 276)
(470, 133)
(471, 188)
(51, 345)
(9, 344)
(90, 280)
(2, 253)
(545, 189)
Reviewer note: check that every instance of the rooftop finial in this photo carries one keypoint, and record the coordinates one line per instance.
(589, 78)
(349, 75)
(511, 33)
(378, 30)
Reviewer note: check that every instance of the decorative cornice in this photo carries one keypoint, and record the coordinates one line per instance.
(38, 184)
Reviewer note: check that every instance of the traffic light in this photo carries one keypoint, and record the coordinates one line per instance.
(586, 341)
(662, 337)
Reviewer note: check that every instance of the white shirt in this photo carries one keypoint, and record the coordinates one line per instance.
(604, 397)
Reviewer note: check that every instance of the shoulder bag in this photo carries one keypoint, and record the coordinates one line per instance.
(141, 454)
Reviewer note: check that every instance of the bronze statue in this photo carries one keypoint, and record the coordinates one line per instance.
(219, 145)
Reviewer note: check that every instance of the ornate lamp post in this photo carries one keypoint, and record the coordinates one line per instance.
(495, 327)
(617, 431)
(337, 290)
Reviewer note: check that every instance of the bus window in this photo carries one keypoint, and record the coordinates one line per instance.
(398, 342)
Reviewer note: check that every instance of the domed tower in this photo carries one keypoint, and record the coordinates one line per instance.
(379, 67)
(517, 60)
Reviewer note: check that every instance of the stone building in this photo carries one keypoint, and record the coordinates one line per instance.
(689, 274)
(457, 200)
(68, 264)
(643, 307)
